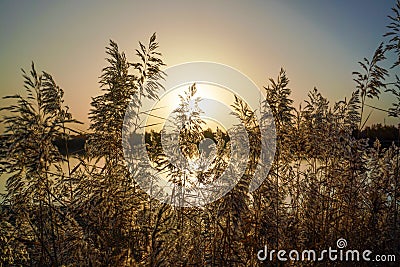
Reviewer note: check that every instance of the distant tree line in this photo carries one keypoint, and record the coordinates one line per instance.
(386, 134)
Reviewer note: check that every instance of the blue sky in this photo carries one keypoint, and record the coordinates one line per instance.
(318, 42)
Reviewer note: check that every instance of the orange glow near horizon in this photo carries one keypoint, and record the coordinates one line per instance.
(257, 38)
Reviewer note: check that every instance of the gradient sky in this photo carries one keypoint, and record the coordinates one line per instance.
(318, 42)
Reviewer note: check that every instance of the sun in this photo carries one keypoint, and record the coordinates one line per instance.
(211, 96)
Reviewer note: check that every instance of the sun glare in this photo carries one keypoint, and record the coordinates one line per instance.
(212, 116)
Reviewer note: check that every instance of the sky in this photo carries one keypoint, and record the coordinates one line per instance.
(318, 42)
